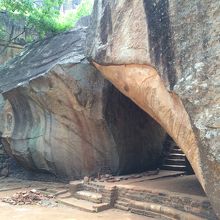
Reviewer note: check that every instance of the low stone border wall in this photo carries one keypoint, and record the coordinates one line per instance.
(154, 203)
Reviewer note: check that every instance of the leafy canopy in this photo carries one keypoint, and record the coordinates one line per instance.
(44, 17)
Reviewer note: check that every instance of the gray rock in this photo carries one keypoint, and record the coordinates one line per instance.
(118, 34)
(40, 57)
(180, 39)
(196, 45)
(62, 116)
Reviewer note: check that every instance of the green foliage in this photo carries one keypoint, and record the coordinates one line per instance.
(29, 39)
(70, 19)
(44, 18)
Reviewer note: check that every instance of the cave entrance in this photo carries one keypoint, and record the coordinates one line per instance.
(143, 145)
(148, 156)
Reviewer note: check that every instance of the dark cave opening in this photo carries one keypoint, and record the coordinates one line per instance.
(143, 144)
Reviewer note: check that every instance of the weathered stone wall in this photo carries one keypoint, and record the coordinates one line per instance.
(135, 199)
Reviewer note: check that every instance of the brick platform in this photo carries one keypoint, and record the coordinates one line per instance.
(160, 197)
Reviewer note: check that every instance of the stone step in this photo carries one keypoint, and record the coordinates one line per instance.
(123, 202)
(176, 156)
(169, 161)
(84, 205)
(123, 198)
(122, 205)
(89, 196)
(177, 151)
(75, 186)
(150, 214)
(174, 167)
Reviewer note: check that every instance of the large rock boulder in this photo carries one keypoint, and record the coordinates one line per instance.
(164, 56)
(196, 46)
(62, 116)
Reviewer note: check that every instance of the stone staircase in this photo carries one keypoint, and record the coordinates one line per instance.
(175, 160)
(88, 197)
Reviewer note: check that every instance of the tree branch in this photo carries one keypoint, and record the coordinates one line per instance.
(9, 41)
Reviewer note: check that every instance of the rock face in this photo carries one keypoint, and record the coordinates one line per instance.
(121, 36)
(197, 47)
(62, 116)
(3, 156)
(16, 31)
(182, 95)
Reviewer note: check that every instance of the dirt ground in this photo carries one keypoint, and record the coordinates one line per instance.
(9, 212)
